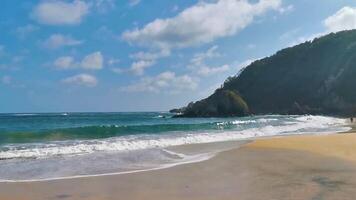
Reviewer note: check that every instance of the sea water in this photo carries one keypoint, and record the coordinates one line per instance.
(46, 146)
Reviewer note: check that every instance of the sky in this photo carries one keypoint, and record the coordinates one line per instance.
(144, 55)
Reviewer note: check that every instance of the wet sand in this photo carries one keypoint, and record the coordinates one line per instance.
(294, 167)
(338, 145)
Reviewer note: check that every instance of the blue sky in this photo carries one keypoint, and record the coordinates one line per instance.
(144, 55)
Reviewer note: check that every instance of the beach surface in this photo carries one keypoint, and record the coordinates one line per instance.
(314, 167)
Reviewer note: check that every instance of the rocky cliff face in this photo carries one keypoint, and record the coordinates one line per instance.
(317, 77)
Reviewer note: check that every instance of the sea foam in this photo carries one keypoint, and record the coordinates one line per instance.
(247, 129)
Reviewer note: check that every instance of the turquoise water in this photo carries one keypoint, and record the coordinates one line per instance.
(52, 145)
(24, 128)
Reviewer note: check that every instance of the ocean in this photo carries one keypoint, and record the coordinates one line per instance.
(46, 146)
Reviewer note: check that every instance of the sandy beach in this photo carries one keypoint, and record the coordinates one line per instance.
(178, 100)
(294, 167)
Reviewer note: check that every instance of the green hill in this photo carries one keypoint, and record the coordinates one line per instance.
(317, 77)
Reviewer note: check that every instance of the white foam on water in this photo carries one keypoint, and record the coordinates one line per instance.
(185, 159)
(297, 125)
(25, 114)
(139, 153)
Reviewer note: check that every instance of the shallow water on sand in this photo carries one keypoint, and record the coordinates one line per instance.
(49, 146)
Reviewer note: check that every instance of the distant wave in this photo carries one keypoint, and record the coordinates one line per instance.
(24, 114)
(34, 114)
(107, 131)
(163, 116)
(103, 131)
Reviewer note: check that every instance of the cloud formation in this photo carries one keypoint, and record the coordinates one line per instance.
(82, 80)
(163, 82)
(56, 41)
(198, 63)
(59, 12)
(207, 71)
(64, 62)
(23, 31)
(344, 19)
(139, 67)
(200, 58)
(144, 60)
(103, 5)
(93, 61)
(201, 23)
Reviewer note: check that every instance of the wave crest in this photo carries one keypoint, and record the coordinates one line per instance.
(244, 130)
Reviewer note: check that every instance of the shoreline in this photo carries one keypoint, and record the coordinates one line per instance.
(232, 145)
(254, 171)
(205, 154)
(105, 174)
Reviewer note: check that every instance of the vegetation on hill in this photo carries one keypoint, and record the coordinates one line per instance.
(315, 77)
(222, 103)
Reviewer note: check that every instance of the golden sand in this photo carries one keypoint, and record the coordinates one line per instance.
(270, 169)
(336, 145)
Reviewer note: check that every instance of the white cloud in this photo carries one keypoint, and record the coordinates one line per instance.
(81, 79)
(58, 40)
(308, 38)
(200, 58)
(113, 61)
(103, 5)
(144, 60)
(207, 71)
(150, 55)
(59, 12)
(202, 23)
(286, 9)
(65, 62)
(6, 80)
(295, 40)
(117, 70)
(139, 67)
(344, 19)
(198, 63)
(104, 34)
(163, 82)
(134, 2)
(93, 61)
(246, 63)
(23, 31)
